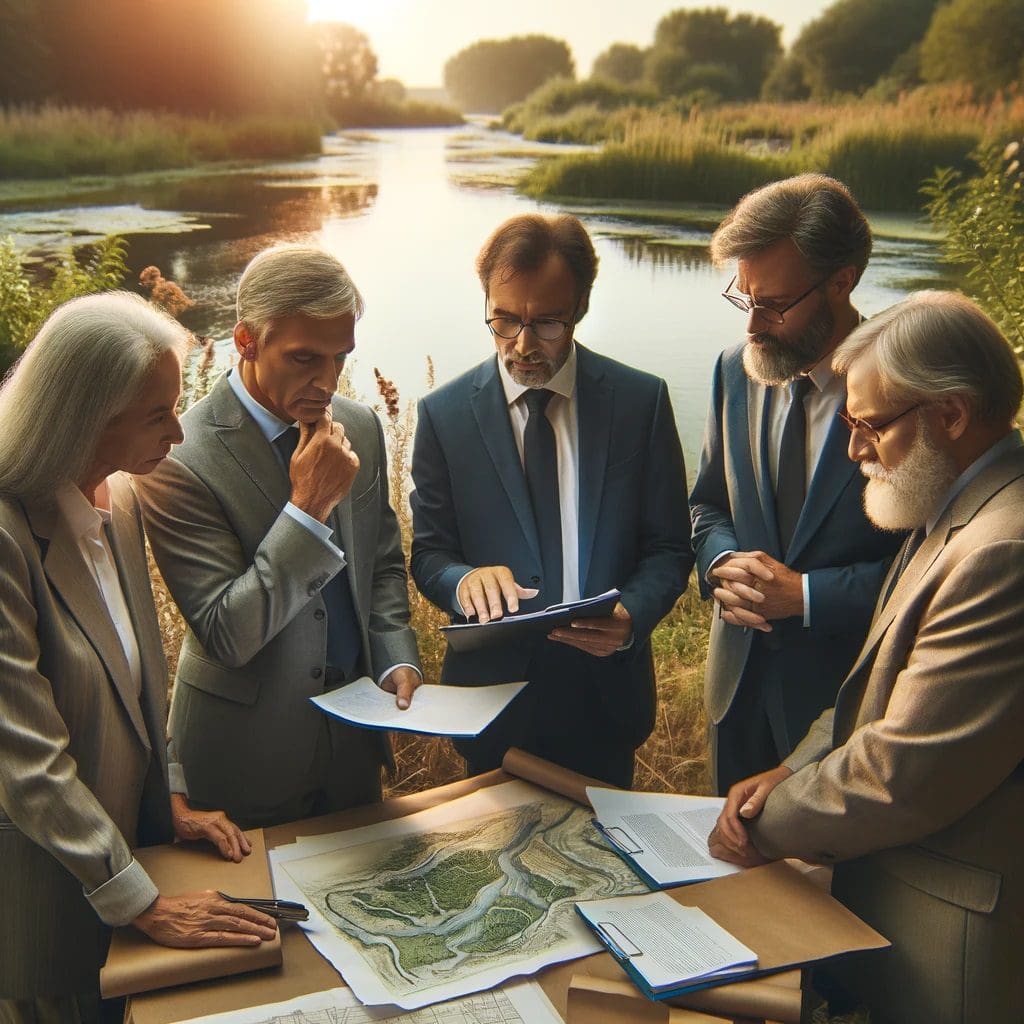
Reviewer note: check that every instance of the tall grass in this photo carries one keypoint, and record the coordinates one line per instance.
(884, 151)
(55, 142)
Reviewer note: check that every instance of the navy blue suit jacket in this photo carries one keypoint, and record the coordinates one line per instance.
(471, 508)
(844, 555)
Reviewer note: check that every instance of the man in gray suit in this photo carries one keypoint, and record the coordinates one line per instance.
(912, 785)
(272, 528)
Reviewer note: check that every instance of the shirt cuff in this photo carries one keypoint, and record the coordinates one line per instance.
(708, 578)
(805, 582)
(121, 899)
(321, 530)
(176, 778)
(401, 664)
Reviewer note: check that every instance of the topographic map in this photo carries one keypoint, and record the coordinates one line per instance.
(457, 898)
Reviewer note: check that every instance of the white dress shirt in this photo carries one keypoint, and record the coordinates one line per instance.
(272, 428)
(87, 524)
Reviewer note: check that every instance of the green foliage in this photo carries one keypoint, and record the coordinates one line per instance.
(25, 302)
(491, 74)
(563, 96)
(854, 42)
(976, 41)
(26, 63)
(787, 81)
(348, 63)
(745, 44)
(621, 62)
(982, 218)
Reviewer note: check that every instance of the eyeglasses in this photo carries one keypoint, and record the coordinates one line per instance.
(873, 431)
(772, 316)
(545, 328)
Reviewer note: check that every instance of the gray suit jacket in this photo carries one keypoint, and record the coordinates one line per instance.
(83, 771)
(914, 781)
(247, 577)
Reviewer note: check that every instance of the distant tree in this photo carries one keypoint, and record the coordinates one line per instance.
(349, 65)
(786, 81)
(854, 42)
(621, 62)
(491, 74)
(976, 41)
(390, 90)
(673, 73)
(26, 63)
(746, 43)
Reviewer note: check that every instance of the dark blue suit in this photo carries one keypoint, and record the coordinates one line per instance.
(471, 508)
(793, 672)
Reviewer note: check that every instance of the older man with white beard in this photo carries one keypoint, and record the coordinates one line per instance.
(912, 785)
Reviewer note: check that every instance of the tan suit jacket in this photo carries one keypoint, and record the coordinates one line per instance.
(913, 784)
(83, 771)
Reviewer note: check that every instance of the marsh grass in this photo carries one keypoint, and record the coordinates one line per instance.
(55, 141)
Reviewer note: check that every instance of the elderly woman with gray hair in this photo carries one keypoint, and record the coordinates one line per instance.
(83, 682)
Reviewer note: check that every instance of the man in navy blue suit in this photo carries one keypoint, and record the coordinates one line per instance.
(549, 473)
(781, 537)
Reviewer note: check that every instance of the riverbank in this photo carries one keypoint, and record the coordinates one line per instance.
(883, 151)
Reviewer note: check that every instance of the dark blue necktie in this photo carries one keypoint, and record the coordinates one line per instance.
(344, 641)
(791, 489)
(541, 459)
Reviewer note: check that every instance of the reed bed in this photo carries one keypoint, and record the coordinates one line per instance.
(57, 141)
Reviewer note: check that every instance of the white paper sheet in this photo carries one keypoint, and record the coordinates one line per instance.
(434, 711)
(455, 899)
(522, 1002)
(667, 943)
(665, 834)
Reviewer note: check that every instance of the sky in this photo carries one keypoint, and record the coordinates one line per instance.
(413, 38)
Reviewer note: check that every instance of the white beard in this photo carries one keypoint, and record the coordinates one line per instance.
(904, 498)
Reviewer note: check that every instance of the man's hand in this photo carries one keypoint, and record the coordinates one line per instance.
(599, 637)
(323, 467)
(482, 591)
(402, 682)
(755, 588)
(204, 919)
(729, 839)
(191, 826)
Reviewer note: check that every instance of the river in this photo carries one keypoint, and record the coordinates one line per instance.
(406, 211)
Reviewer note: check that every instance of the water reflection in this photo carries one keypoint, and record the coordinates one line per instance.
(663, 253)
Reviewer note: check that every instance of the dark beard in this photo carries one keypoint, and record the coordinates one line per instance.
(779, 361)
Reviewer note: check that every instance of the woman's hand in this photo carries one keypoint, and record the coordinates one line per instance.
(191, 825)
(204, 919)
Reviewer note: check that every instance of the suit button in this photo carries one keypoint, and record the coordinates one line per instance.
(535, 580)
(318, 614)
(317, 673)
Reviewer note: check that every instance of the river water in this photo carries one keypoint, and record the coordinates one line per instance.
(406, 211)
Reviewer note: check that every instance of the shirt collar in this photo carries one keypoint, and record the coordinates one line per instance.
(270, 426)
(563, 383)
(84, 519)
(1001, 447)
(822, 374)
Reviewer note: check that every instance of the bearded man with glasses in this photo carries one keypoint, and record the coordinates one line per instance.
(546, 474)
(782, 541)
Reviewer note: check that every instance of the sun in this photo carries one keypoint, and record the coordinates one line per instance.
(352, 11)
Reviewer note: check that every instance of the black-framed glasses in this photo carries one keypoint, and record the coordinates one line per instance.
(545, 328)
(873, 431)
(746, 304)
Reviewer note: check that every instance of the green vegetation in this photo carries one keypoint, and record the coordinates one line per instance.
(408, 896)
(982, 220)
(415, 951)
(509, 916)
(26, 300)
(53, 142)
(457, 881)
(550, 892)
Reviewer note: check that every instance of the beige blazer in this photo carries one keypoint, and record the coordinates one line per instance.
(247, 577)
(913, 783)
(83, 770)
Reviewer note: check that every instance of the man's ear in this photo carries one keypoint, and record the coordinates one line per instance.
(954, 416)
(841, 283)
(245, 343)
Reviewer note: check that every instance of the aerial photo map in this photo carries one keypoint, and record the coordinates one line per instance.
(458, 898)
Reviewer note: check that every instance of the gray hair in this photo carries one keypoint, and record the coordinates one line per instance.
(292, 280)
(935, 344)
(816, 212)
(86, 365)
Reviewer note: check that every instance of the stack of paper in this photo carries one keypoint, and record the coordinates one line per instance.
(664, 946)
(662, 836)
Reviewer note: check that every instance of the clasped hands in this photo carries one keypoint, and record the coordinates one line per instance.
(488, 590)
(754, 588)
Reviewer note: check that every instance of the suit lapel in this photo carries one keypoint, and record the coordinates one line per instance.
(72, 579)
(831, 475)
(240, 435)
(594, 412)
(342, 523)
(755, 510)
(491, 413)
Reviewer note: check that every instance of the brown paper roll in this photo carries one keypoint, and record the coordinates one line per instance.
(543, 773)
